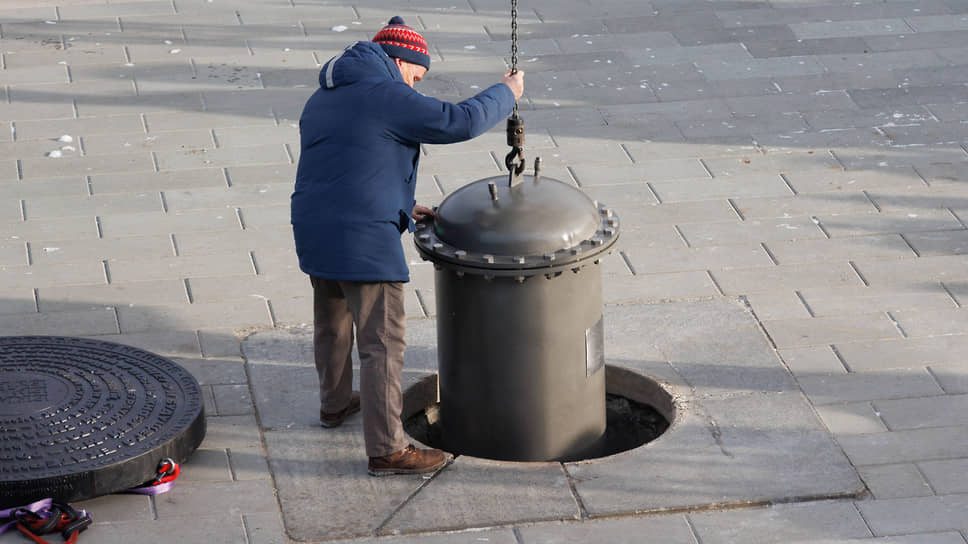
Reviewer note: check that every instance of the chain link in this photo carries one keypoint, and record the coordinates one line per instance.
(514, 45)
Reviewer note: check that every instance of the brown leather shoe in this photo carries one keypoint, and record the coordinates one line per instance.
(335, 420)
(410, 460)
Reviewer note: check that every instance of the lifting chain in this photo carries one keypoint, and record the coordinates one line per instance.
(515, 127)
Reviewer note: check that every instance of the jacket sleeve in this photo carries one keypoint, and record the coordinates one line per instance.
(416, 118)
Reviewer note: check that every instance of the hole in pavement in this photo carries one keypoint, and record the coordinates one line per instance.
(638, 410)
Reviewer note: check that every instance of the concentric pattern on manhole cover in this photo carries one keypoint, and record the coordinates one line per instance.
(81, 418)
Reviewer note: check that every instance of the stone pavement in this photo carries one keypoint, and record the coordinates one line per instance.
(795, 170)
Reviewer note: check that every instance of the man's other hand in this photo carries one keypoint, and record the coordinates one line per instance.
(516, 82)
(422, 213)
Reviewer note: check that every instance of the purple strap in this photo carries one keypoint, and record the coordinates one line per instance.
(41, 508)
(151, 489)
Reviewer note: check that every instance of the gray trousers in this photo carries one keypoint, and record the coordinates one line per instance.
(376, 310)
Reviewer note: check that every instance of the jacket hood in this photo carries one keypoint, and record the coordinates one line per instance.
(359, 61)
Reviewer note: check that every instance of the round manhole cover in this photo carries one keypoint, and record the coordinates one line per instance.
(82, 418)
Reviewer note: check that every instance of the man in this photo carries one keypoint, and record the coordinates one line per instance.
(354, 197)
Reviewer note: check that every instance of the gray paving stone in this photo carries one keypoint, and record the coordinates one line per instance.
(47, 167)
(304, 461)
(754, 230)
(275, 173)
(905, 446)
(953, 377)
(937, 23)
(215, 370)
(696, 89)
(97, 144)
(111, 104)
(207, 465)
(157, 181)
(888, 384)
(922, 323)
(877, 246)
(906, 353)
(233, 498)
(55, 128)
(761, 108)
(672, 529)
(220, 288)
(811, 360)
(939, 243)
(34, 75)
(76, 186)
(805, 47)
(853, 180)
(237, 263)
(946, 477)
(17, 301)
(218, 342)
(144, 224)
(50, 275)
(759, 280)
(739, 130)
(665, 260)
(900, 516)
(76, 228)
(72, 323)
(525, 492)
(788, 523)
(649, 170)
(851, 418)
(804, 205)
(13, 255)
(814, 331)
(198, 243)
(77, 297)
(657, 287)
(925, 220)
(914, 271)
(260, 217)
(232, 400)
(118, 508)
(58, 206)
(707, 189)
(719, 470)
(264, 528)
(213, 119)
(715, 69)
(853, 300)
(650, 212)
(66, 251)
(664, 111)
(942, 94)
(611, 42)
(472, 536)
(204, 158)
(895, 481)
(877, 117)
(850, 28)
(914, 413)
(240, 313)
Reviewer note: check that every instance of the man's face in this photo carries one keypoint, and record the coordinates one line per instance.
(411, 73)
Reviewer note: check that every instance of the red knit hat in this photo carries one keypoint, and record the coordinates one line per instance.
(402, 42)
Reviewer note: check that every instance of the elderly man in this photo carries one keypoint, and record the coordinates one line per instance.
(354, 197)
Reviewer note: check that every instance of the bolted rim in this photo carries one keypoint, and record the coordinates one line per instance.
(558, 249)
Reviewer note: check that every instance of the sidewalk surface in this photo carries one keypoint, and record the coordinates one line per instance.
(792, 178)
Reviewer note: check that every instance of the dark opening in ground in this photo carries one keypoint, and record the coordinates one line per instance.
(629, 424)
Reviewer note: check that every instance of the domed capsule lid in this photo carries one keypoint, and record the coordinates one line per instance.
(535, 224)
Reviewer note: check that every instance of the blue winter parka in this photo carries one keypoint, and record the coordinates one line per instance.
(360, 138)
